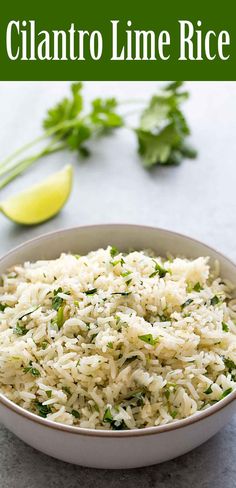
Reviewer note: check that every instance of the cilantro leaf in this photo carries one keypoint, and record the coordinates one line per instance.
(225, 327)
(163, 128)
(208, 390)
(31, 370)
(115, 424)
(57, 301)
(113, 251)
(91, 292)
(65, 110)
(107, 417)
(214, 300)
(188, 302)
(225, 393)
(75, 414)
(197, 287)
(103, 114)
(158, 270)
(156, 148)
(167, 393)
(149, 339)
(229, 364)
(118, 261)
(126, 273)
(20, 329)
(43, 410)
(138, 398)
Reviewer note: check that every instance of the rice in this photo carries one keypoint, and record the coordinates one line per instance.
(116, 341)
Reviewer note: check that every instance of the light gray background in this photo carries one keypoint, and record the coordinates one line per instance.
(196, 198)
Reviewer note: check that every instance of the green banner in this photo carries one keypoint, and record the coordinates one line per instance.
(151, 40)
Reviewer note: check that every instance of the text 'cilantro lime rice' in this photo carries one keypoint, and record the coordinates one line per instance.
(116, 341)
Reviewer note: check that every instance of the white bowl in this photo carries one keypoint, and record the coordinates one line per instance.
(115, 449)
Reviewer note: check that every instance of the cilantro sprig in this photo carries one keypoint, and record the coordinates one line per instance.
(66, 126)
(163, 128)
(161, 133)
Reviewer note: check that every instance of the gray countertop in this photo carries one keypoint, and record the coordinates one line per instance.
(196, 198)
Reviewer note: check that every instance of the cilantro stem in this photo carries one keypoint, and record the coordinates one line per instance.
(68, 124)
(23, 164)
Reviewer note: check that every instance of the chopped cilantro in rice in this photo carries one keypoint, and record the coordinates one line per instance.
(116, 340)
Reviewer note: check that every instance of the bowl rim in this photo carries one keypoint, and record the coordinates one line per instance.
(154, 430)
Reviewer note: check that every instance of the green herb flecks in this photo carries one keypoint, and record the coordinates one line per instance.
(149, 339)
(75, 413)
(66, 390)
(229, 364)
(225, 327)
(187, 303)
(208, 391)
(107, 417)
(197, 287)
(167, 393)
(43, 410)
(91, 292)
(118, 261)
(215, 300)
(164, 318)
(49, 393)
(226, 393)
(31, 370)
(57, 301)
(115, 424)
(159, 270)
(136, 399)
(20, 329)
(126, 273)
(113, 251)
(3, 306)
(122, 293)
(173, 414)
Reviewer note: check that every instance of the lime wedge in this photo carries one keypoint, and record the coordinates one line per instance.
(40, 202)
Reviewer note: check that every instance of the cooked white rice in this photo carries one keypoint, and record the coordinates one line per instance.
(112, 341)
